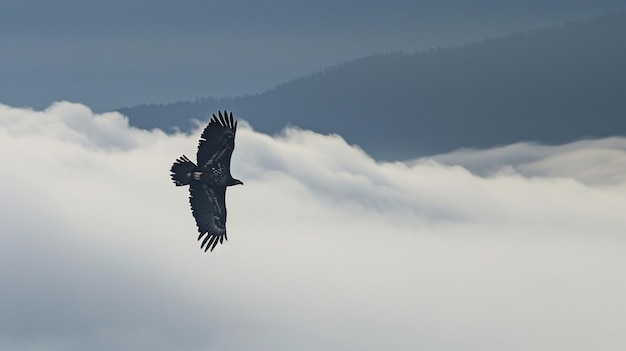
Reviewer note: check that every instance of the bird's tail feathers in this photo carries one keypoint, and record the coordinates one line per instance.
(182, 170)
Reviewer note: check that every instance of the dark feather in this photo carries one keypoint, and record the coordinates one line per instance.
(181, 171)
(208, 206)
(208, 180)
(217, 142)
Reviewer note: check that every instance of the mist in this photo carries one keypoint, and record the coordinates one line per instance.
(518, 247)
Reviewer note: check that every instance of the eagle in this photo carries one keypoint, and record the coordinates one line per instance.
(209, 178)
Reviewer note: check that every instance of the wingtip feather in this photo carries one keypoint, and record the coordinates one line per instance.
(212, 242)
(205, 240)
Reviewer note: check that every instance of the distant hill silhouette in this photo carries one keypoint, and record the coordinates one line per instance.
(549, 85)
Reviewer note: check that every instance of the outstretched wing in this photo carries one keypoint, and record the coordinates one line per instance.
(217, 141)
(208, 205)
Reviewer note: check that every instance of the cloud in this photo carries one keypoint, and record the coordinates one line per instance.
(593, 161)
(517, 248)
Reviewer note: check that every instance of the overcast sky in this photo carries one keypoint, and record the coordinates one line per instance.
(118, 53)
(515, 248)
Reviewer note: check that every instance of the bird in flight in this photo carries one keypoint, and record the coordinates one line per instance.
(208, 180)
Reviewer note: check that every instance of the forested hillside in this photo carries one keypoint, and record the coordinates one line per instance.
(548, 85)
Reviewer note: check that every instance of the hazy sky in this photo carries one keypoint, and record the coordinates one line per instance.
(116, 53)
(327, 250)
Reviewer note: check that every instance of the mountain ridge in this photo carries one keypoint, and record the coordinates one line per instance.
(548, 85)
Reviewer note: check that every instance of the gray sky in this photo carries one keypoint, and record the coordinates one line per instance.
(110, 54)
(327, 250)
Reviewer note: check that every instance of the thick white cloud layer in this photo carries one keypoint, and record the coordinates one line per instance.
(516, 248)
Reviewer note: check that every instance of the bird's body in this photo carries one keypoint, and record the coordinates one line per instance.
(209, 178)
